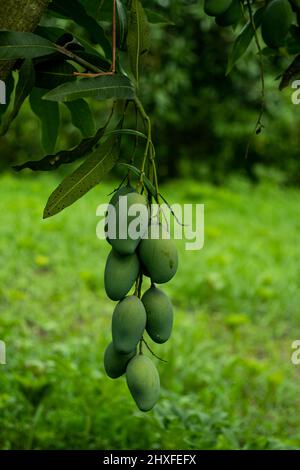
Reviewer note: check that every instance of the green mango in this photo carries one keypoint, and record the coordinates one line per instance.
(128, 324)
(158, 255)
(143, 382)
(128, 244)
(231, 16)
(276, 23)
(115, 363)
(120, 274)
(216, 7)
(123, 191)
(159, 312)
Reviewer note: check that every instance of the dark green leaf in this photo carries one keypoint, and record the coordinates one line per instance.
(52, 162)
(50, 74)
(100, 88)
(126, 132)
(82, 117)
(122, 24)
(89, 174)
(138, 37)
(243, 40)
(23, 88)
(48, 113)
(74, 10)
(16, 45)
(146, 180)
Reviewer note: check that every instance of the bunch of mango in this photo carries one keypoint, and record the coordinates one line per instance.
(275, 21)
(132, 257)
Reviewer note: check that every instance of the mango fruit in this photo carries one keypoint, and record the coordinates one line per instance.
(143, 382)
(216, 7)
(115, 363)
(120, 274)
(159, 312)
(128, 324)
(125, 243)
(231, 16)
(158, 255)
(123, 191)
(276, 22)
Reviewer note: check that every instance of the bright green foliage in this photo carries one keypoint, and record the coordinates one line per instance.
(120, 274)
(159, 314)
(128, 324)
(158, 255)
(276, 22)
(143, 382)
(115, 363)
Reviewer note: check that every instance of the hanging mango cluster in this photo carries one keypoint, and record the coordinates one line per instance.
(153, 255)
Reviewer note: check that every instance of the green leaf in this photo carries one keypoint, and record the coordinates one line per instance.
(74, 10)
(126, 132)
(52, 162)
(100, 88)
(23, 88)
(157, 18)
(89, 174)
(82, 117)
(243, 40)
(50, 74)
(146, 180)
(16, 45)
(48, 113)
(122, 23)
(138, 37)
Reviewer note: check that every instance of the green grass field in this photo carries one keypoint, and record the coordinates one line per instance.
(229, 382)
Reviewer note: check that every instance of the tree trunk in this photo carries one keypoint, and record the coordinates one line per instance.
(19, 15)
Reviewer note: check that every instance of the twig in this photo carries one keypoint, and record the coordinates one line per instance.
(150, 350)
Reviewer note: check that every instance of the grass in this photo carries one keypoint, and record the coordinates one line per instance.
(229, 382)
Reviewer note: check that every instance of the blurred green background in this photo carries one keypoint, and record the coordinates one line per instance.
(229, 382)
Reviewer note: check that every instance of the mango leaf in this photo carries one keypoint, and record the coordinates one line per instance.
(138, 37)
(82, 117)
(48, 113)
(23, 88)
(89, 174)
(74, 10)
(126, 132)
(9, 88)
(16, 45)
(146, 180)
(157, 18)
(100, 88)
(52, 162)
(122, 24)
(52, 73)
(243, 40)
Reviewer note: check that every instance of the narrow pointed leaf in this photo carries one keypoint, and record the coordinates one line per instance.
(157, 18)
(100, 88)
(82, 117)
(138, 37)
(16, 45)
(87, 176)
(122, 24)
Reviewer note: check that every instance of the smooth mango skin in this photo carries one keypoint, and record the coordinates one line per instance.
(123, 191)
(115, 363)
(143, 382)
(231, 16)
(276, 22)
(159, 257)
(128, 245)
(159, 312)
(216, 7)
(120, 274)
(128, 324)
